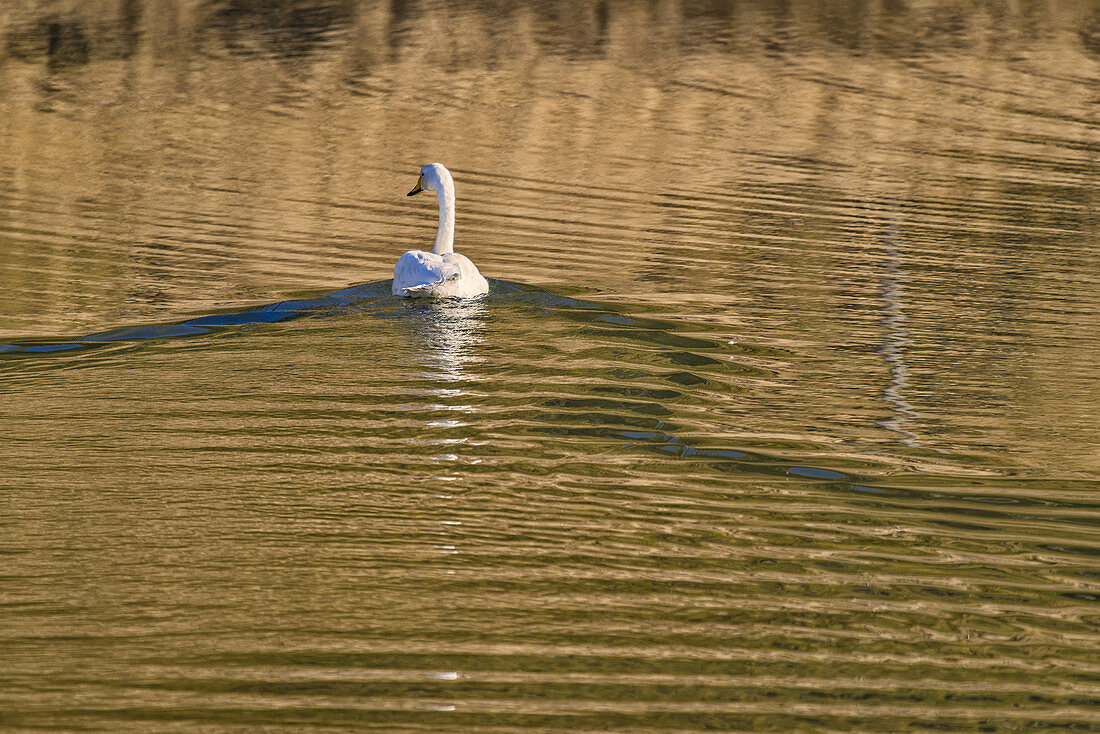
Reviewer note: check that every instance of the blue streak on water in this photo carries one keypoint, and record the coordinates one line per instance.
(735, 460)
(806, 471)
(282, 311)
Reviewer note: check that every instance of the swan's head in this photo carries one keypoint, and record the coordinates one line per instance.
(433, 177)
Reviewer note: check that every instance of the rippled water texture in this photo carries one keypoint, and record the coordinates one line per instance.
(780, 415)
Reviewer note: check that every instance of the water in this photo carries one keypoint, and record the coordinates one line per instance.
(780, 414)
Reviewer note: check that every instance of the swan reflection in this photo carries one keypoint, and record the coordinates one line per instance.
(446, 335)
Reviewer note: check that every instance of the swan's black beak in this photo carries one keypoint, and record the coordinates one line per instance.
(418, 187)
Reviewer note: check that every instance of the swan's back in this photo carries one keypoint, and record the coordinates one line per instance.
(420, 274)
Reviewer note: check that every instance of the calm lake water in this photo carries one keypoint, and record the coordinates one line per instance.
(781, 414)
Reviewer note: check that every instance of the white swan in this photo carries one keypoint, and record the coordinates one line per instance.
(441, 272)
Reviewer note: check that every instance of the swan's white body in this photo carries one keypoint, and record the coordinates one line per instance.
(441, 272)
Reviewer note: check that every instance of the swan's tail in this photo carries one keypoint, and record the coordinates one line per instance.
(415, 290)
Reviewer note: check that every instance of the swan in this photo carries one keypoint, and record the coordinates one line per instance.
(441, 272)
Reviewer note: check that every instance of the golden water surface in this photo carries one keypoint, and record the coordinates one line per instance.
(781, 413)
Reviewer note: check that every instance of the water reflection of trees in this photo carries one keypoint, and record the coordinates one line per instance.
(487, 32)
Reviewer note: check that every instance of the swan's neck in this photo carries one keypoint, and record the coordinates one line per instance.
(445, 236)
